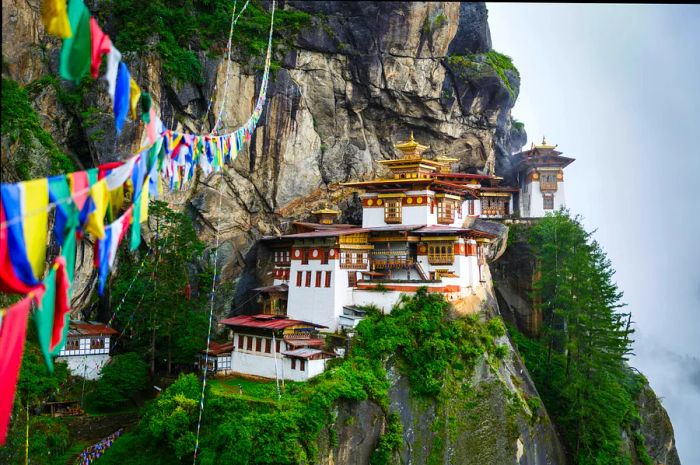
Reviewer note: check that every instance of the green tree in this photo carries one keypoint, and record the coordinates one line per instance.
(579, 363)
(161, 316)
(121, 380)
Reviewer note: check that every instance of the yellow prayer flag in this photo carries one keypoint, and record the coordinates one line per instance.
(54, 15)
(134, 96)
(144, 200)
(96, 219)
(34, 204)
(116, 201)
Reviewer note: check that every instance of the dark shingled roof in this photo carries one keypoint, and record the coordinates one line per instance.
(490, 227)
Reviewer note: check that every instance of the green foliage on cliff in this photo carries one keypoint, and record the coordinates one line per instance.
(30, 146)
(473, 65)
(177, 30)
(578, 362)
(255, 427)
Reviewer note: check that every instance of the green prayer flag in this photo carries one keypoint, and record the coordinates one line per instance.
(146, 107)
(43, 317)
(135, 239)
(68, 252)
(76, 52)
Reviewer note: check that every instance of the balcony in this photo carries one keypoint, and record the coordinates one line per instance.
(357, 265)
(548, 186)
(392, 261)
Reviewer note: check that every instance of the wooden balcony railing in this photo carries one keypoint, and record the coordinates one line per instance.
(396, 261)
(441, 259)
(353, 265)
(548, 186)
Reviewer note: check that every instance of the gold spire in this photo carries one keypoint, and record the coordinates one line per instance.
(326, 215)
(411, 149)
(545, 145)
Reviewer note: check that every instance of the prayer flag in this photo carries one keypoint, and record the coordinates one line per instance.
(55, 18)
(11, 240)
(52, 316)
(79, 187)
(76, 50)
(113, 59)
(121, 97)
(98, 200)
(146, 107)
(134, 96)
(12, 335)
(34, 206)
(101, 45)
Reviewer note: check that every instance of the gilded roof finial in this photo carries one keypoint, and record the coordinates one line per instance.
(544, 141)
(411, 139)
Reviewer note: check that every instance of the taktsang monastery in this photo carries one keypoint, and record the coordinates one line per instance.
(417, 231)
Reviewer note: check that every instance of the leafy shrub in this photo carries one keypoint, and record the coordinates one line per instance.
(121, 379)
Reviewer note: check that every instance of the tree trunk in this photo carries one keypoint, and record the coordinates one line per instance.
(153, 350)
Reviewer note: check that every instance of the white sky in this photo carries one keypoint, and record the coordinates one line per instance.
(618, 88)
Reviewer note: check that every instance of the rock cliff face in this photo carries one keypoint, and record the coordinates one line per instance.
(358, 79)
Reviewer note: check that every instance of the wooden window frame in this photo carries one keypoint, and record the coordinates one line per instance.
(302, 364)
(318, 278)
(548, 200)
(240, 342)
(268, 345)
(307, 281)
(294, 363)
(328, 279)
(304, 256)
(258, 344)
(470, 205)
(300, 277)
(393, 211)
(249, 343)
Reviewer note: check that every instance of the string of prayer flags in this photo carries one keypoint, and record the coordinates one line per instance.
(12, 335)
(53, 314)
(76, 50)
(54, 15)
(10, 280)
(101, 45)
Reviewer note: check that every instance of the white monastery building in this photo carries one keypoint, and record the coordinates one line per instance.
(419, 229)
(87, 348)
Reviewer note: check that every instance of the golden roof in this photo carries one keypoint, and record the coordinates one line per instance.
(411, 149)
(326, 211)
(544, 145)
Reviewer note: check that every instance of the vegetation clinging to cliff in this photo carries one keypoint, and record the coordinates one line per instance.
(30, 144)
(177, 30)
(500, 64)
(256, 427)
(578, 362)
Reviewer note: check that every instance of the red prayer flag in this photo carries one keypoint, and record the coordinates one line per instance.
(12, 335)
(101, 45)
(62, 304)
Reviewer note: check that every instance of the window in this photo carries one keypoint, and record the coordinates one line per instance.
(324, 257)
(258, 344)
(304, 257)
(294, 364)
(240, 341)
(392, 211)
(441, 253)
(352, 279)
(301, 364)
(299, 274)
(277, 346)
(471, 207)
(73, 344)
(318, 278)
(328, 279)
(268, 345)
(548, 182)
(249, 341)
(548, 202)
(97, 343)
(446, 211)
(308, 279)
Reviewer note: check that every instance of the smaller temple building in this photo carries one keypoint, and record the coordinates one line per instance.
(217, 359)
(541, 176)
(274, 346)
(87, 348)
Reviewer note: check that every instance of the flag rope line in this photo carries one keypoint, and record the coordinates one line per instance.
(211, 316)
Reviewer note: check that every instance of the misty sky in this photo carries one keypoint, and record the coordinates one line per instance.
(618, 88)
